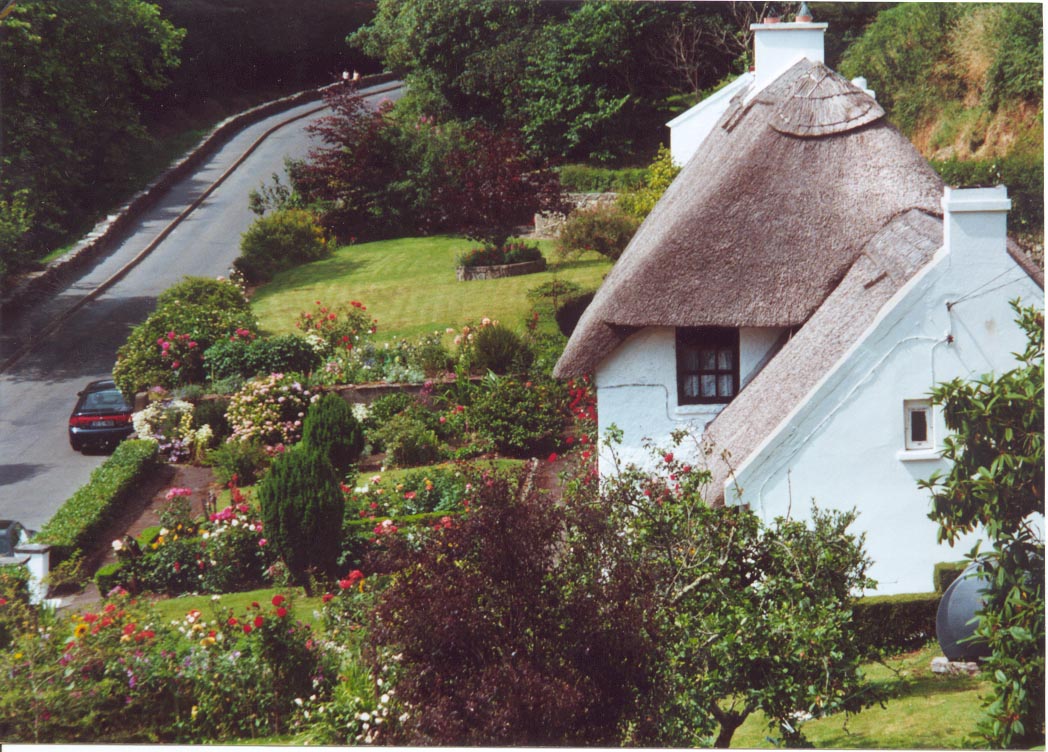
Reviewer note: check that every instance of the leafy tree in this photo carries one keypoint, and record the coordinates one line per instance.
(996, 482)
(751, 616)
(496, 186)
(521, 623)
(460, 58)
(302, 509)
(76, 79)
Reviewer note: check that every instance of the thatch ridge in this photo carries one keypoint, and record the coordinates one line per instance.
(760, 226)
(886, 263)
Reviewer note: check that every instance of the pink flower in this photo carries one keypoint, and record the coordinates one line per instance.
(409, 495)
(668, 458)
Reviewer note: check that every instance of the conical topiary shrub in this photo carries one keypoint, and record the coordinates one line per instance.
(302, 509)
(331, 429)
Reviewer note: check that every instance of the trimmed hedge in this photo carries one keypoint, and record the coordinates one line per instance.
(893, 624)
(83, 518)
(946, 572)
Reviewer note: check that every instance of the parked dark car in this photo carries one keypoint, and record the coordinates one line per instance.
(101, 417)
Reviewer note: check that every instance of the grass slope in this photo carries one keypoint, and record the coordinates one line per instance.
(925, 711)
(409, 285)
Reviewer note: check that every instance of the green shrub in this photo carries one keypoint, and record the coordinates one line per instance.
(280, 241)
(555, 291)
(946, 572)
(212, 412)
(408, 440)
(248, 358)
(167, 348)
(519, 418)
(571, 311)
(499, 349)
(511, 253)
(662, 171)
(110, 576)
(382, 409)
(331, 429)
(80, 521)
(893, 624)
(1021, 172)
(604, 228)
(270, 409)
(581, 178)
(244, 460)
(302, 510)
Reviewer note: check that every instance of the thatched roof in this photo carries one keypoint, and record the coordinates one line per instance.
(765, 220)
(887, 261)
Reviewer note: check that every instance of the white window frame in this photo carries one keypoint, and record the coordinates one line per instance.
(911, 407)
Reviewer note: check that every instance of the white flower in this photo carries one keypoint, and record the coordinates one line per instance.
(298, 701)
(364, 717)
(118, 545)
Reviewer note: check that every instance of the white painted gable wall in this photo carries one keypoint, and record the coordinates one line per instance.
(845, 446)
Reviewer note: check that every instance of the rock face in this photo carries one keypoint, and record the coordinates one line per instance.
(498, 271)
(548, 224)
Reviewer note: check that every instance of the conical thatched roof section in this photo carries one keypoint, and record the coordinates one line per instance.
(763, 223)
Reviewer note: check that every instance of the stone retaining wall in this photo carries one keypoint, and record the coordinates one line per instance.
(498, 271)
(548, 224)
(104, 234)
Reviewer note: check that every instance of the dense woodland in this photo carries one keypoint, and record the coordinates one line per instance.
(96, 92)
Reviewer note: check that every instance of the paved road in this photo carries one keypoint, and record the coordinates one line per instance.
(38, 470)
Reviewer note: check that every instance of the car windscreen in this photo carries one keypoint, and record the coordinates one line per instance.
(109, 400)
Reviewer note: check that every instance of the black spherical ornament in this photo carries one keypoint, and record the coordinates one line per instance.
(954, 620)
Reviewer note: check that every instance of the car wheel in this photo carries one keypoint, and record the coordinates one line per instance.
(76, 445)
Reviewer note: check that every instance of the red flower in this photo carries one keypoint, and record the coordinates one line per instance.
(89, 618)
(258, 621)
(247, 629)
(553, 457)
(409, 495)
(281, 612)
(326, 597)
(232, 621)
(668, 457)
(109, 608)
(278, 599)
(585, 455)
(129, 628)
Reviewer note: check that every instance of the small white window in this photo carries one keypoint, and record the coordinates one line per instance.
(918, 424)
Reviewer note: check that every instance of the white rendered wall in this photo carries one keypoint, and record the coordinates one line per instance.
(845, 447)
(689, 129)
(637, 391)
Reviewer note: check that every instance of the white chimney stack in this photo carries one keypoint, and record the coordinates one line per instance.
(975, 222)
(778, 46)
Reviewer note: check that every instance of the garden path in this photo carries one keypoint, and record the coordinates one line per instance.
(139, 516)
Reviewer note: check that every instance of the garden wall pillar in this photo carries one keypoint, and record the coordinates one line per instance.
(38, 562)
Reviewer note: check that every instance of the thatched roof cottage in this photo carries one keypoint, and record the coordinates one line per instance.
(793, 298)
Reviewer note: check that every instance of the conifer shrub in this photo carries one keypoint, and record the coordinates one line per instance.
(331, 429)
(302, 509)
(499, 349)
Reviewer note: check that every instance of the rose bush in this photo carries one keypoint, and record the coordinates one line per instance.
(270, 410)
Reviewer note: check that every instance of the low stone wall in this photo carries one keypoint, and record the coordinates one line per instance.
(104, 234)
(548, 224)
(467, 273)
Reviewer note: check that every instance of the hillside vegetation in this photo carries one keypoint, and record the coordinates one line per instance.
(964, 83)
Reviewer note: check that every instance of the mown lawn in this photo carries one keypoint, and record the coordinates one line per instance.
(409, 285)
(925, 711)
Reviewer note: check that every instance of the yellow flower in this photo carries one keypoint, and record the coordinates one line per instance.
(18, 656)
(193, 712)
(80, 631)
(207, 641)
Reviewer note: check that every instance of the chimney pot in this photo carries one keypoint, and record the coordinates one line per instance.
(804, 14)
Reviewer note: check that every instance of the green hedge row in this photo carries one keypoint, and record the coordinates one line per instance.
(85, 515)
(893, 624)
(579, 178)
(946, 572)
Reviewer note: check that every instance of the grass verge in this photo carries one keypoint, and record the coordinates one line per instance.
(925, 711)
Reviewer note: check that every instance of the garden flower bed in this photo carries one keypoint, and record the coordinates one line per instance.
(499, 271)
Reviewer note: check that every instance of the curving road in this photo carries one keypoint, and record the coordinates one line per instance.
(38, 470)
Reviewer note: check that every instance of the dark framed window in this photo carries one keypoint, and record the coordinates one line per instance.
(707, 365)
